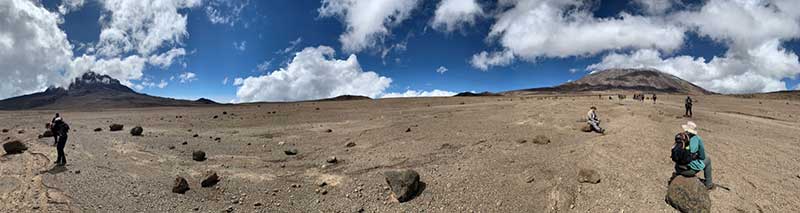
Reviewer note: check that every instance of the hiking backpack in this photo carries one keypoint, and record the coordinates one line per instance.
(680, 151)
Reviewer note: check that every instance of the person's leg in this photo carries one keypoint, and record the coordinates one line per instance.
(707, 172)
(596, 127)
(62, 158)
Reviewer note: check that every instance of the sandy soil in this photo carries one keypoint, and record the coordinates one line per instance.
(466, 150)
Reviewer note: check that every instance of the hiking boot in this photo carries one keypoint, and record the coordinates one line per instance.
(711, 187)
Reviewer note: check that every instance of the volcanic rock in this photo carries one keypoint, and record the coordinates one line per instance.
(350, 144)
(211, 178)
(198, 155)
(405, 184)
(332, 159)
(14, 147)
(290, 151)
(98, 129)
(137, 131)
(180, 186)
(541, 139)
(115, 127)
(688, 194)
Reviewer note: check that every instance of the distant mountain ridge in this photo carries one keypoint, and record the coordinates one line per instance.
(93, 91)
(625, 80)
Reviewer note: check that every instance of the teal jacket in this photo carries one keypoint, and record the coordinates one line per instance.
(696, 146)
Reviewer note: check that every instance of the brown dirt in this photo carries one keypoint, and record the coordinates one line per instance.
(467, 155)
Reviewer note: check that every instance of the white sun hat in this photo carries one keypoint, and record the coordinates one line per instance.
(690, 127)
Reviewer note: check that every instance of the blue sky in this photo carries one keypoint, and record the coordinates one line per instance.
(230, 39)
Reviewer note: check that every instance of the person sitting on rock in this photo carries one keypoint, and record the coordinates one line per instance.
(593, 121)
(689, 155)
(60, 129)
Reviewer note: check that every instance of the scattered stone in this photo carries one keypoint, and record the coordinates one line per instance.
(180, 186)
(541, 139)
(215, 117)
(257, 204)
(137, 131)
(350, 144)
(47, 134)
(224, 112)
(21, 131)
(184, 143)
(115, 127)
(408, 130)
(588, 176)
(290, 151)
(14, 147)
(77, 172)
(98, 129)
(5, 130)
(521, 141)
(198, 155)
(329, 130)
(171, 147)
(195, 135)
(317, 108)
(281, 143)
(332, 159)
(530, 179)
(217, 139)
(404, 183)
(211, 178)
(688, 194)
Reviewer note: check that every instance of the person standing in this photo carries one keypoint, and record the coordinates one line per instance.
(689, 155)
(654, 98)
(593, 121)
(688, 105)
(60, 129)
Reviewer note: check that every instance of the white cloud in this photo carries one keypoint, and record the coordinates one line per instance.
(225, 81)
(225, 12)
(187, 77)
(122, 69)
(484, 60)
(441, 69)
(164, 60)
(562, 28)
(241, 46)
(68, 6)
(264, 66)
(367, 21)
(292, 45)
(452, 14)
(141, 26)
(415, 93)
(655, 6)
(314, 73)
(146, 83)
(32, 48)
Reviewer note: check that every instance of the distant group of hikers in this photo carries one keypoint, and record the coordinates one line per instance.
(688, 152)
(641, 97)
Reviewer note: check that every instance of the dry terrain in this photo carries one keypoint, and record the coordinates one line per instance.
(473, 154)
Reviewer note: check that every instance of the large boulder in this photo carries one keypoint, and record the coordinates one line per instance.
(198, 155)
(137, 131)
(405, 184)
(115, 127)
(14, 147)
(688, 194)
(210, 179)
(180, 186)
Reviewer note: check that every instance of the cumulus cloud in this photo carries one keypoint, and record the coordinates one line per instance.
(187, 77)
(416, 93)
(123, 69)
(367, 22)
(164, 60)
(133, 26)
(68, 6)
(314, 73)
(32, 48)
(149, 84)
(225, 12)
(441, 70)
(562, 28)
(225, 81)
(485, 60)
(452, 14)
(264, 66)
(292, 45)
(655, 6)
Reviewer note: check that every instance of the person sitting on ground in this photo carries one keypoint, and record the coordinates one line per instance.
(689, 155)
(593, 121)
(60, 129)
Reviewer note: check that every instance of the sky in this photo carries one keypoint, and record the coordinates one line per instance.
(290, 50)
